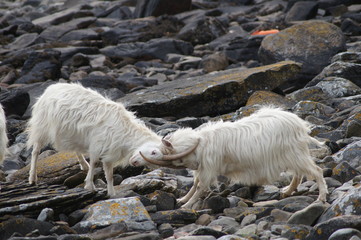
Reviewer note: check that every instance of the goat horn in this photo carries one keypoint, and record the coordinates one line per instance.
(157, 162)
(160, 163)
(180, 155)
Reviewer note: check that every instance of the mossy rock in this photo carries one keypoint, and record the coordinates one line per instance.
(52, 170)
(312, 43)
(270, 98)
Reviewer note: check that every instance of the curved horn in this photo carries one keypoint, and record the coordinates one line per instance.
(157, 162)
(180, 155)
(160, 163)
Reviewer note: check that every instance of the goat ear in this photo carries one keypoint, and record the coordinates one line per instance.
(166, 143)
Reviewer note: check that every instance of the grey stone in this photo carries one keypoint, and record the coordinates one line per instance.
(15, 102)
(316, 109)
(140, 236)
(249, 219)
(40, 66)
(214, 62)
(293, 203)
(280, 215)
(344, 172)
(26, 40)
(230, 237)
(228, 224)
(353, 129)
(247, 231)
(348, 70)
(155, 48)
(302, 10)
(59, 17)
(216, 203)
(241, 48)
(197, 238)
(148, 183)
(312, 43)
(52, 170)
(352, 57)
(192, 122)
(23, 226)
(104, 213)
(178, 216)
(345, 234)
(325, 229)
(207, 231)
(47, 214)
(80, 34)
(266, 192)
(157, 8)
(36, 198)
(188, 63)
(165, 230)
(310, 93)
(296, 232)
(163, 200)
(350, 154)
(108, 232)
(210, 94)
(308, 215)
(201, 30)
(56, 32)
(346, 204)
(240, 212)
(339, 87)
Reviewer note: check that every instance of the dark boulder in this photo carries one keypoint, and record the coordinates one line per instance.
(15, 102)
(145, 8)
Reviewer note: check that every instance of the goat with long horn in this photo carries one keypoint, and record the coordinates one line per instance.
(253, 151)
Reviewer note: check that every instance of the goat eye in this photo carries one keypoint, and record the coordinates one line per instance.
(153, 153)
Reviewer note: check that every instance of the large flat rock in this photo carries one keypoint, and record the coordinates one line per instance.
(208, 95)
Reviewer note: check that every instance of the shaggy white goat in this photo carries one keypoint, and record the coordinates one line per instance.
(253, 150)
(3, 135)
(74, 118)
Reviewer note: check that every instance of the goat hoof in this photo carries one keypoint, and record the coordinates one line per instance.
(284, 195)
(33, 182)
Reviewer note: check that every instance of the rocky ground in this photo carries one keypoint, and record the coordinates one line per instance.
(179, 64)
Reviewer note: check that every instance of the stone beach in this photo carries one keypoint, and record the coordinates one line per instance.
(182, 63)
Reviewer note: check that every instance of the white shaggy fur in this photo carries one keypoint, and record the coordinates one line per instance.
(3, 135)
(73, 118)
(253, 151)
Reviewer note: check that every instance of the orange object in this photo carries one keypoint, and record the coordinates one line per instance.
(265, 32)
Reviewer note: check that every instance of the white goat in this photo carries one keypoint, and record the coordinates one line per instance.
(74, 118)
(3, 135)
(253, 151)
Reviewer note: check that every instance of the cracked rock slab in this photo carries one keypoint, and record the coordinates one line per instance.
(211, 94)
